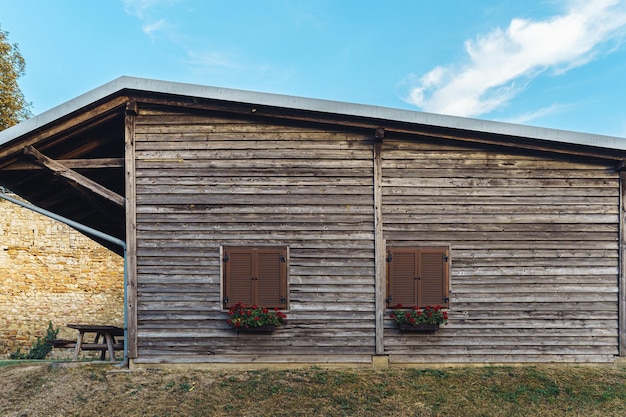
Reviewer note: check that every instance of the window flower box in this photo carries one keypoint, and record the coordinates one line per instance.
(264, 329)
(419, 320)
(420, 328)
(254, 319)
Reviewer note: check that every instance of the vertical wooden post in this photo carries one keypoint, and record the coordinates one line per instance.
(379, 242)
(621, 329)
(131, 227)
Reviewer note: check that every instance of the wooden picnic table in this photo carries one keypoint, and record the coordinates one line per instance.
(108, 343)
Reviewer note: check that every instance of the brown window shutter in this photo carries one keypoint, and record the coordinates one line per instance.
(238, 274)
(271, 270)
(433, 277)
(401, 277)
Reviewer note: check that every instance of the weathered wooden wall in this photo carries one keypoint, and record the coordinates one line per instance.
(534, 251)
(533, 239)
(205, 181)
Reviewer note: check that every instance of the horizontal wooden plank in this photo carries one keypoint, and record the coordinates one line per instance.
(489, 183)
(269, 163)
(290, 359)
(429, 349)
(144, 197)
(209, 255)
(486, 154)
(225, 236)
(180, 171)
(555, 280)
(461, 163)
(255, 155)
(418, 191)
(176, 126)
(536, 199)
(339, 220)
(408, 359)
(409, 341)
(400, 213)
(329, 227)
(210, 303)
(195, 210)
(582, 237)
(533, 297)
(478, 171)
(473, 221)
(574, 246)
(460, 262)
(266, 182)
(521, 270)
(294, 243)
(224, 191)
(545, 287)
(557, 254)
(252, 141)
(101, 346)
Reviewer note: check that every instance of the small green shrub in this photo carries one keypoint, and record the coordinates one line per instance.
(41, 348)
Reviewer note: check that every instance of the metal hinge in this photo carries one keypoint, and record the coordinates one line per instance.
(226, 300)
(445, 258)
(389, 258)
(226, 258)
(282, 258)
(389, 300)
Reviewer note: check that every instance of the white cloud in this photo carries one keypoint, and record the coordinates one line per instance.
(140, 8)
(502, 62)
(209, 59)
(144, 10)
(150, 28)
(537, 114)
(198, 53)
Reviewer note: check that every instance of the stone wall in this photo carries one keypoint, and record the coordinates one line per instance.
(51, 272)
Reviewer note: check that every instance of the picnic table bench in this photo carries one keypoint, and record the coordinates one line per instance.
(108, 343)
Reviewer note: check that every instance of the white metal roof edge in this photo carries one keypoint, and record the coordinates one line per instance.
(318, 105)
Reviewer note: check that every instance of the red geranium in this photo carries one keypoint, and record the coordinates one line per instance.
(415, 315)
(243, 316)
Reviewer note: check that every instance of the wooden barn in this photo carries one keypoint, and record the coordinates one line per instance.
(333, 213)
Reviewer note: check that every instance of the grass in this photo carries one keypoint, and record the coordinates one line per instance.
(45, 390)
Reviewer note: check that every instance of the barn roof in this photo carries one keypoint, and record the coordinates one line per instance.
(121, 84)
(70, 159)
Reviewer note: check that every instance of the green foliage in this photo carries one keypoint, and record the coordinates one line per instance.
(13, 106)
(41, 348)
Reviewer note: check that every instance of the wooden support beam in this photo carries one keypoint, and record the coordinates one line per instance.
(130, 291)
(73, 176)
(379, 242)
(621, 326)
(95, 163)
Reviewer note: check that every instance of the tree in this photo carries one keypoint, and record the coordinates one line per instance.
(13, 106)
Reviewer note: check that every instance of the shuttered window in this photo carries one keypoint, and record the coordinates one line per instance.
(255, 276)
(418, 276)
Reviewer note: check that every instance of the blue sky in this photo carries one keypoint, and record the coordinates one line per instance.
(552, 63)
